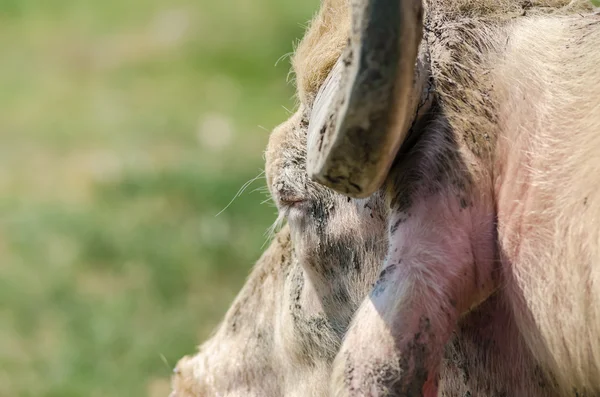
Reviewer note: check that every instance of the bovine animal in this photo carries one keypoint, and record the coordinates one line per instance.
(481, 123)
(473, 269)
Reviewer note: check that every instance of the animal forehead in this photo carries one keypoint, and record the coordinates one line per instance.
(475, 8)
(321, 46)
(328, 32)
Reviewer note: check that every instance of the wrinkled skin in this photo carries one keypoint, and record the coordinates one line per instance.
(450, 280)
(490, 191)
(285, 328)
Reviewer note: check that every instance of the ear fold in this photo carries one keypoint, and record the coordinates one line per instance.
(363, 111)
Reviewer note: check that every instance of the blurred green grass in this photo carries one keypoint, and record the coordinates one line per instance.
(125, 127)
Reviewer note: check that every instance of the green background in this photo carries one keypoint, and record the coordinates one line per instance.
(125, 127)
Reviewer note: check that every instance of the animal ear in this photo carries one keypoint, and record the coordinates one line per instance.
(363, 111)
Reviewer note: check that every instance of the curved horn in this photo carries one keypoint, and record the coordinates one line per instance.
(363, 111)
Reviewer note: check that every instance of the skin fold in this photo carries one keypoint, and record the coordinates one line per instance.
(472, 270)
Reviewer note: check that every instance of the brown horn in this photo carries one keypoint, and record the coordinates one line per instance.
(363, 111)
